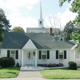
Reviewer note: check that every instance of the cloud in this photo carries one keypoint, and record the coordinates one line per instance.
(13, 13)
(60, 18)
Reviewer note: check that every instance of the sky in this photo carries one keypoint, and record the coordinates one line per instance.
(25, 13)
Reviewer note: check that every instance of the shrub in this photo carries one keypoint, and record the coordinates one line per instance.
(38, 64)
(45, 65)
(72, 65)
(60, 64)
(17, 65)
(49, 65)
(57, 65)
(54, 65)
(7, 62)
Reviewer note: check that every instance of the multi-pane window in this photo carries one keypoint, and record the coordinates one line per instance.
(61, 54)
(12, 54)
(44, 54)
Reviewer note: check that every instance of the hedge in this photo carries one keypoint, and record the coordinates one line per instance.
(7, 62)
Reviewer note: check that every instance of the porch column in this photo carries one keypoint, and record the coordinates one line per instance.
(35, 58)
(22, 58)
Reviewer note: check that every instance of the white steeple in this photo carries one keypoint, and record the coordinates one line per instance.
(41, 19)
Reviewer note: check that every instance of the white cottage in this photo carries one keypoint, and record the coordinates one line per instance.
(38, 48)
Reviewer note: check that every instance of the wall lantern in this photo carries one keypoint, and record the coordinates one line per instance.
(29, 55)
(33, 53)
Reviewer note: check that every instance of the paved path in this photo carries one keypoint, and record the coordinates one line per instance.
(29, 74)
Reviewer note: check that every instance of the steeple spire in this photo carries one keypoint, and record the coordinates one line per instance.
(41, 19)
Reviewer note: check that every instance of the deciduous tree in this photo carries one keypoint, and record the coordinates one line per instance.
(17, 29)
(4, 24)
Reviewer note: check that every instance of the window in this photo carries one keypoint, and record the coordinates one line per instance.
(61, 54)
(44, 55)
(12, 54)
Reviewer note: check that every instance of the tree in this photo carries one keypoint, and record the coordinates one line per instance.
(4, 24)
(17, 29)
(69, 28)
(75, 8)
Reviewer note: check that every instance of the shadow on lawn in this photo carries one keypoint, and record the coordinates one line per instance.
(12, 72)
(62, 69)
(11, 68)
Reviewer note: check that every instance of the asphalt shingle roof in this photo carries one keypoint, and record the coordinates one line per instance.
(41, 41)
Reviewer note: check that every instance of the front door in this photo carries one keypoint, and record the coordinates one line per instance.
(30, 59)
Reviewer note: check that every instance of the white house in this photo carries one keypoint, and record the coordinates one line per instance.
(38, 48)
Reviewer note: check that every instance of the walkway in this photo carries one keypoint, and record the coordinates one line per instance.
(29, 74)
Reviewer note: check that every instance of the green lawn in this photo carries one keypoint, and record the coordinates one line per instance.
(61, 74)
(10, 72)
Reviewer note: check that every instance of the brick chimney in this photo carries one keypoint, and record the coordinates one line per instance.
(51, 30)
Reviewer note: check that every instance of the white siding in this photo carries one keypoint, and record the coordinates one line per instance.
(4, 54)
(71, 55)
(53, 59)
(29, 45)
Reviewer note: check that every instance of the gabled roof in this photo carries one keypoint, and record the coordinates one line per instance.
(14, 40)
(41, 41)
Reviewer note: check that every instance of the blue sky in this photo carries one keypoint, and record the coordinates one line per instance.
(25, 13)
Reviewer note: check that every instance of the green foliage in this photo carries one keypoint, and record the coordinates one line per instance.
(62, 1)
(75, 8)
(7, 62)
(3, 23)
(17, 29)
(72, 65)
(17, 65)
(76, 37)
(68, 30)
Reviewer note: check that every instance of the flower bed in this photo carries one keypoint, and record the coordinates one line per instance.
(51, 65)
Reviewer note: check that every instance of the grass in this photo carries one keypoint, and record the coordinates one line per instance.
(10, 72)
(61, 74)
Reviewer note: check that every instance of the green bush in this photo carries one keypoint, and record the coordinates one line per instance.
(7, 62)
(17, 65)
(72, 65)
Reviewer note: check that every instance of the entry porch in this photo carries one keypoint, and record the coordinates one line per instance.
(29, 58)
